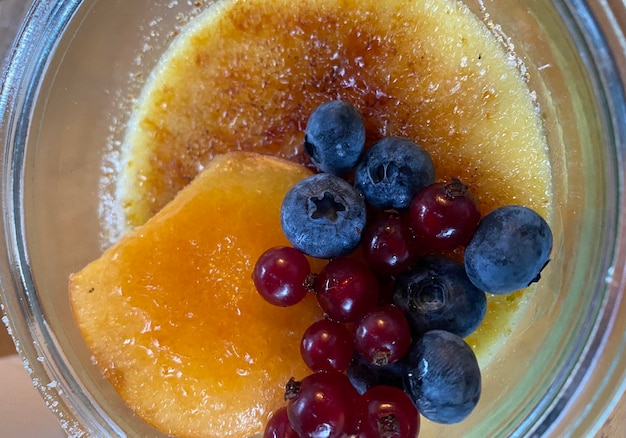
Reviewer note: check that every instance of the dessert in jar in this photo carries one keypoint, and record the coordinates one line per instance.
(170, 311)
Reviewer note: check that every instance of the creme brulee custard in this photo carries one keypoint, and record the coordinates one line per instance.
(245, 76)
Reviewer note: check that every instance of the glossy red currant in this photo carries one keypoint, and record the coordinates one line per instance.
(383, 336)
(388, 413)
(282, 276)
(444, 215)
(278, 426)
(324, 405)
(389, 245)
(346, 289)
(327, 346)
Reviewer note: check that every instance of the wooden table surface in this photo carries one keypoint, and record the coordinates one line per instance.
(11, 12)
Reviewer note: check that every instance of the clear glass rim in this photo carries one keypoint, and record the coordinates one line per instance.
(20, 78)
(25, 67)
(603, 51)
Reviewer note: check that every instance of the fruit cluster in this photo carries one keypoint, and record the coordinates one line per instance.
(391, 344)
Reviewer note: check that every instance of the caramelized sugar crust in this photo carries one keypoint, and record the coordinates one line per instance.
(248, 75)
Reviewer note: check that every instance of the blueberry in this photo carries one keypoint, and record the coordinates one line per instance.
(436, 294)
(323, 216)
(334, 137)
(392, 172)
(509, 250)
(363, 374)
(442, 377)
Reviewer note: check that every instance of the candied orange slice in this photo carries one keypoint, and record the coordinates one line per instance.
(171, 314)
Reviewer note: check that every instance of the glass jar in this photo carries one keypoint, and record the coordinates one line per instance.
(63, 105)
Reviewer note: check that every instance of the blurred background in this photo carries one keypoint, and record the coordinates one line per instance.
(23, 414)
(11, 14)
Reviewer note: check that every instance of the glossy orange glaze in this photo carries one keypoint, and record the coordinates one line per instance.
(171, 314)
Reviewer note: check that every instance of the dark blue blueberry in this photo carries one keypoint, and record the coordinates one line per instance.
(334, 137)
(436, 294)
(392, 172)
(363, 374)
(323, 216)
(442, 377)
(509, 250)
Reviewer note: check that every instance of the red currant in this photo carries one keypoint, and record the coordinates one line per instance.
(327, 346)
(389, 245)
(444, 215)
(323, 404)
(346, 289)
(388, 413)
(383, 335)
(278, 426)
(282, 276)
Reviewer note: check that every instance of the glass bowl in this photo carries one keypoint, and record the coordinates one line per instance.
(66, 93)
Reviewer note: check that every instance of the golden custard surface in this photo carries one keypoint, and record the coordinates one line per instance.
(247, 74)
(171, 313)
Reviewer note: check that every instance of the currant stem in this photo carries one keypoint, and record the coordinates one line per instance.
(455, 188)
(292, 388)
(388, 426)
(309, 282)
